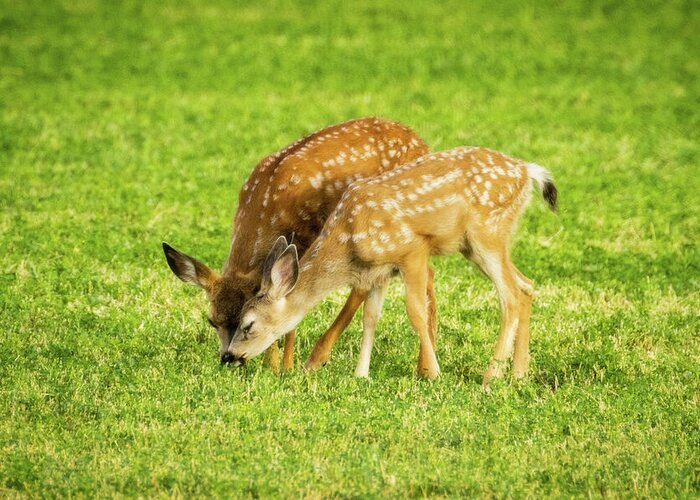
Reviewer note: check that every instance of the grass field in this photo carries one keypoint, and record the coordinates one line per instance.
(123, 125)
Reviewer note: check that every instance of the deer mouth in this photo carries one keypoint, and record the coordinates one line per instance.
(238, 360)
(230, 359)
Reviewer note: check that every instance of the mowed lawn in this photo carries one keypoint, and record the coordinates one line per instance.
(125, 124)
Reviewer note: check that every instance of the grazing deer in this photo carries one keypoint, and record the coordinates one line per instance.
(292, 192)
(466, 200)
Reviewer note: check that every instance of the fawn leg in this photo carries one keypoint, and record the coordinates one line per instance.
(288, 355)
(495, 263)
(371, 312)
(521, 354)
(322, 350)
(432, 308)
(415, 279)
(272, 358)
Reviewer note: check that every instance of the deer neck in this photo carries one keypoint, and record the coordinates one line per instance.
(322, 269)
(246, 256)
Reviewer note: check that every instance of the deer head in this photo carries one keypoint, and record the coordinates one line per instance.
(226, 294)
(268, 315)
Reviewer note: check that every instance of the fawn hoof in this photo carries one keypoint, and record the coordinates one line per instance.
(495, 370)
(520, 369)
(314, 363)
(428, 373)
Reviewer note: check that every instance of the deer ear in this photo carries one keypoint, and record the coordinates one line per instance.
(276, 250)
(284, 273)
(189, 269)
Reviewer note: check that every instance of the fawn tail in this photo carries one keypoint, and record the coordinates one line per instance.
(545, 183)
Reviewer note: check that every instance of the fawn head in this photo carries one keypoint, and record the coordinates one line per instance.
(268, 315)
(226, 294)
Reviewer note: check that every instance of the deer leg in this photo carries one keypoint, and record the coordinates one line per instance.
(415, 279)
(371, 312)
(272, 358)
(288, 355)
(322, 350)
(521, 354)
(432, 308)
(497, 266)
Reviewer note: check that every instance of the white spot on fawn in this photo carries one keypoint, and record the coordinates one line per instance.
(359, 236)
(484, 197)
(406, 234)
(316, 180)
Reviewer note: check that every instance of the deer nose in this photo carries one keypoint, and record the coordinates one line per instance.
(227, 358)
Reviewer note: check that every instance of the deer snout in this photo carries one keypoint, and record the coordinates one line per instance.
(234, 359)
(227, 358)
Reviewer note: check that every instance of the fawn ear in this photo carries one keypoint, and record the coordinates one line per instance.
(189, 269)
(284, 273)
(276, 250)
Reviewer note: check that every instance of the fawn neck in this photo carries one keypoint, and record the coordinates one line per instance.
(323, 269)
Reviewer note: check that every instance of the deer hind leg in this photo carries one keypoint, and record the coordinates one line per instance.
(371, 312)
(288, 354)
(432, 308)
(521, 355)
(415, 279)
(496, 265)
(322, 350)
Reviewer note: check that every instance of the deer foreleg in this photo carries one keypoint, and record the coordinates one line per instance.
(372, 310)
(322, 350)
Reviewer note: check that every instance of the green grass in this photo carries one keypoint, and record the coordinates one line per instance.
(124, 124)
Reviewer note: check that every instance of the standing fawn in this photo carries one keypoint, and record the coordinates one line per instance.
(465, 200)
(292, 192)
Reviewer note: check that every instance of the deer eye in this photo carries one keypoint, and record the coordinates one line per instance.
(246, 328)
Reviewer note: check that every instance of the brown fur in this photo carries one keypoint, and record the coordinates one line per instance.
(292, 192)
(464, 200)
